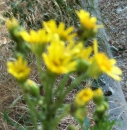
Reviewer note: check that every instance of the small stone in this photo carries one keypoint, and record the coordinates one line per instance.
(123, 33)
(118, 10)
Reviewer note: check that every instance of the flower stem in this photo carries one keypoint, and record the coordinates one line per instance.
(41, 75)
(73, 84)
(32, 110)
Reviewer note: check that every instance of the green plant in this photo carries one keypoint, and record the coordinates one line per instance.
(62, 56)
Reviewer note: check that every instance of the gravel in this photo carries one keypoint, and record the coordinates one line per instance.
(114, 14)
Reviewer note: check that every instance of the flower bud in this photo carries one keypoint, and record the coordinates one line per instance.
(100, 111)
(105, 104)
(31, 88)
(14, 30)
(98, 96)
(82, 65)
(12, 24)
(81, 113)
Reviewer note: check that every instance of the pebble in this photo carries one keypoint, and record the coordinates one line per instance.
(118, 10)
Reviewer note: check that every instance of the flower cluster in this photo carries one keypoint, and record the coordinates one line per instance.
(84, 96)
(62, 57)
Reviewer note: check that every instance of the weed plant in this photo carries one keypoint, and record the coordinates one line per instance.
(62, 56)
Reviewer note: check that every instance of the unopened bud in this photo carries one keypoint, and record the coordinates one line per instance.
(31, 88)
(81, 113)
(98, 96)
(12, 24)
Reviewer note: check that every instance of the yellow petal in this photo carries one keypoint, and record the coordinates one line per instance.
(116, 70)
(25, 35)
(112, 61)
(95, 46)
(116, 77)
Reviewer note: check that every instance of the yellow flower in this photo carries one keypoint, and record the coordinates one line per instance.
(11, 24)
(60, 58)
(87, 21)
(84, 96)
(37, 40)
(36, 37)
(19, 69)
(64, 34)
(14, 29)
(105, 64)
